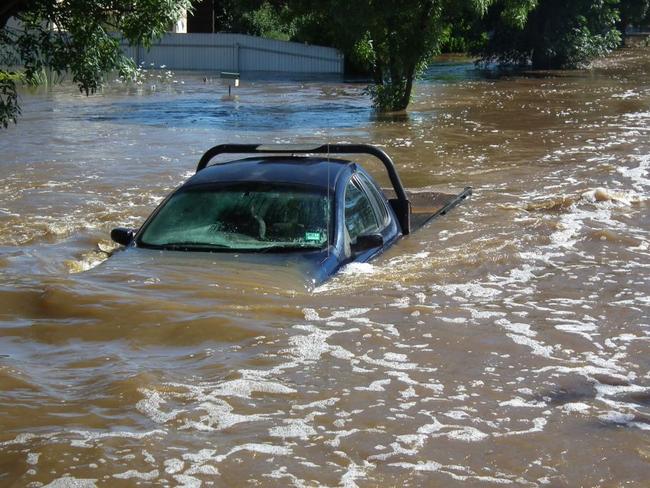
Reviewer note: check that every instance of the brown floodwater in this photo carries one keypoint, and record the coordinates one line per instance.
(506, 343)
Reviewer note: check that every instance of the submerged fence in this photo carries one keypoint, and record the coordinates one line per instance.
(237, 52)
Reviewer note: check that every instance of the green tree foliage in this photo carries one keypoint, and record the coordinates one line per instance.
(395, 39)
(265, 18)
(550, 34)
(76, 37)
(270, 21)
(634, 12)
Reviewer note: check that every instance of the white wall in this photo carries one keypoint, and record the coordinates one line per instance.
(237, 52)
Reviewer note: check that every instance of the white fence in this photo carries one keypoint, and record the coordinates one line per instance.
(237, 52)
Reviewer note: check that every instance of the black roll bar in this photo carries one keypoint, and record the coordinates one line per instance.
(401, 204)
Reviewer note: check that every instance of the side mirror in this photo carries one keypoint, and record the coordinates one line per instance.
(122, 235)
(366, 242)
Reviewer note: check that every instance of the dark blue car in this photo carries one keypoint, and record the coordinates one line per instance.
(287, 204)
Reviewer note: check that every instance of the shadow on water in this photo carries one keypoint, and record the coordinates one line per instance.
(231, 115)
(453, 70)
(463, 69)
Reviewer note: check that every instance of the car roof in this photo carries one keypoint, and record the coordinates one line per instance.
(293, 170)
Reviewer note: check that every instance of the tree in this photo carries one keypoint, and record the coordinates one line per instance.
(79, 37)
(263, 18)
(394, 38)
(549, 34)
(634, 12)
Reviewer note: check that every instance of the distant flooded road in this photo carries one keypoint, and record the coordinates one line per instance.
(506, 343)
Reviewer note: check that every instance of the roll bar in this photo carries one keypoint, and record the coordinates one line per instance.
(401, 205)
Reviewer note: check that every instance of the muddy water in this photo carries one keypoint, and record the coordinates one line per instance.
(505, 344)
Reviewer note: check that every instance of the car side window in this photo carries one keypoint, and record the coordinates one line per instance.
(360, 217)
(377, 199)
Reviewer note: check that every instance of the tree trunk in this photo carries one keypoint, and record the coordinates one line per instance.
(540, 57)
(378, 74)
(400, 63)
(406, 96)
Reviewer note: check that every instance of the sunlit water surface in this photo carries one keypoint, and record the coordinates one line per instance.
(506, 343)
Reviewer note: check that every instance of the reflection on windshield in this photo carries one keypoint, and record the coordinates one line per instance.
(240, 218)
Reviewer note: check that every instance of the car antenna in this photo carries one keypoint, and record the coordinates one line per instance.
(329, 204)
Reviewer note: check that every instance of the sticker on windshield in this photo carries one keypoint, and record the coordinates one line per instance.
(312, 236)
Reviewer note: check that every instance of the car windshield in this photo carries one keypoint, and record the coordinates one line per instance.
(240, 218)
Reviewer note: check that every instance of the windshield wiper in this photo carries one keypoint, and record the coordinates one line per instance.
(288, 247)
(195, 246)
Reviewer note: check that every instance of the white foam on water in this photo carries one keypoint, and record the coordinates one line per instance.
(87, 437)
(270, 449)
(538, 426)
(341, 434)
(637, 115)
(428, 429)
(32, 458)
(429, 466)
(354, 472)
(132, 473)
(454, 472)
(200, 457)
(613, 417)
(405, 378)
(72, 482)
(173, 466)
(522, 334)
(402, 302)
(393, 356)
(312, 315)
(219, 415)
(244, 388)
(319, 404)
(297, 428)
(535, 346)
(598, 195)
(468, 290)
(185, 481)
(282, 472)
(627, 94)
(377, 385)
(390, 329)
(465, 434)
(454, 320)
(206, 469)
(522, 403)
(484, 314)
(387, 363)
(359, 269)
(638, 174)
(516, 328)
(575, 407)
(151, 407)
(579, 328)
(569, 226)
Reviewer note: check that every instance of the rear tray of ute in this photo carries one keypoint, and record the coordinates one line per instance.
(428, 204)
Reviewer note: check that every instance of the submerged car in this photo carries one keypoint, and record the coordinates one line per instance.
(288, 203)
